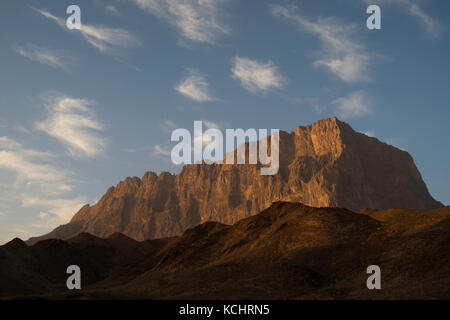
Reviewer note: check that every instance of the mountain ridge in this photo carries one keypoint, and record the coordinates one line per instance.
(325, 164)
(287, 251)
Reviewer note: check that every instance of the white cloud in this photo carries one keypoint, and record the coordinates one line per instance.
(206, 138)
(369, 133)
(397, 142)
(317, 107)
(43, 215)
(341, 54)
(23, 129)
(113, 10)
(432, 26)
(56, 210)
(355, 105)
(195, 87)
(27, 170)
(211, 124)
(45, 56)
(161, 151)
(168, 126)
(30, 179)
(197, 20)
(8, 144)
(73, 123)
(104, 39)
(14, 157)
(256, 76)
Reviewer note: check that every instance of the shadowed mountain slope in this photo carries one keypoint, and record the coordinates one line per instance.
(288, 251)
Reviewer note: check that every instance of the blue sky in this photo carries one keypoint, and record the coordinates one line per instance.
(82, 109)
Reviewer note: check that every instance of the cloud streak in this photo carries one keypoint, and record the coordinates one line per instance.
(73, 123)
(168, 126)
(432, 26)
(196, 20)
(105, 39)
(113, 10)
(195, 87)
(340, 54)
(14, 157)
(45, 56)
(54, 211)
(161, 151)
(355, 105)
(34, 182)
(256, 76)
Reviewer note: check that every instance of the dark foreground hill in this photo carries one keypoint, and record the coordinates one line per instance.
(288, 251)
(326, 164)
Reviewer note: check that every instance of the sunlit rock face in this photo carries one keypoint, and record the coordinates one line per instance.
(326, 164)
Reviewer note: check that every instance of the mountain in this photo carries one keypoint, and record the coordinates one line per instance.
(288, 251)
(322, 165)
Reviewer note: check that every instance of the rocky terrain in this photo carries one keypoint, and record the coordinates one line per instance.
(288, 251)
(326, 164)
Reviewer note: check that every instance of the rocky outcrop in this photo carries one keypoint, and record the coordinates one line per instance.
(326, 164)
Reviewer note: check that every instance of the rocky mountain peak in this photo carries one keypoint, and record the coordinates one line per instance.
(322, 165)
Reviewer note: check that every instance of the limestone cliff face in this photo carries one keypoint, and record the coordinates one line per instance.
(324, 164)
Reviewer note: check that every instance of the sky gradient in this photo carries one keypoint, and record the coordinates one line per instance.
(81, 110)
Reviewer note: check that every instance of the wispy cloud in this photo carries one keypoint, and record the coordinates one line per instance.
(54, 211)
(161, 151)
(22, 129)
(105, 39)
(432, 26)
(34, 181)
(14, 157)
(256, 76)
(397, 142)
(113, 10)
(369, 133)
(341, 53)
(357, 104)
(52, 58)
(168, 126)
(211, 124)
(195, 87)
(197, 20)
(207, 138)
(73, 123)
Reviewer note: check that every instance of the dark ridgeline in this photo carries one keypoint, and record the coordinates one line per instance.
(288, 251)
